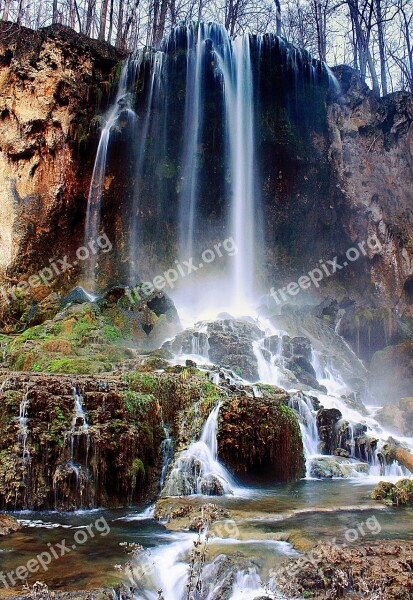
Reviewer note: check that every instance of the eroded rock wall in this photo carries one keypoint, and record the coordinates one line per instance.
(352, 179)
(53, 83)
(371, 151)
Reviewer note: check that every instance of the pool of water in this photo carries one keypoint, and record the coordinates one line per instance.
(266, 526)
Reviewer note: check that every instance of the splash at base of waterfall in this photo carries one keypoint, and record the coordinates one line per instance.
(197, 469)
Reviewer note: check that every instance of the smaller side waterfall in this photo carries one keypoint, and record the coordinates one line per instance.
(270, 360)
(303, 406)
(23, 430)
(200, 344)
(197, 469)
(167, 449)
(72, 482)
(120, 109)
(247, 586)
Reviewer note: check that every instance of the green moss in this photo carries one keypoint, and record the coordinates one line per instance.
(75, 366)
(138, 468)
(110, 333)
(399, 494)
(137, 404)
(145, 381)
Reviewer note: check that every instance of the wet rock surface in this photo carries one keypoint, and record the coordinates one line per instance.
(8, 524)
(329, 467)
(261, 438)
(64, 465)
(227, 342)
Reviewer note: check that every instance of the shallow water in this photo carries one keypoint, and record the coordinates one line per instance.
(265, 526)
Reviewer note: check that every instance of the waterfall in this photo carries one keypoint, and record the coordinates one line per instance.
(304, 408)
(155, 86)
(80, 427)
(23, 429)
(77, 446)
(248, 585)
(97, 185)
(167, 450)
(269, 363)
(197, 469)
(200, 343)
(192, 127)
(235, 64)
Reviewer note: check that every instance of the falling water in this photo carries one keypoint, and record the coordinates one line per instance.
(303, 406)
(97, 185)
(234, 61)
(155, 87)
(270, 363)
(23, 429)
(192, 126)
(77, 446)
(197, 469)
(167, 449)
(241, 125)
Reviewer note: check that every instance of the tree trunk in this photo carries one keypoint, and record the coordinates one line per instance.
(103, 14)
(6, 10)
(396, 452)
(120, 25)
(380, 30)
(373, 73)
(110, 22)
(160, 28)
(54, 15)
(129, 22)
(172, 10)
(39, 14)
(21, 12)
(278, 17)
(155, 17)
(89, 16)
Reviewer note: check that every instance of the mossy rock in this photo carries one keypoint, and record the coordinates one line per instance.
(398, 494)
(261, 437)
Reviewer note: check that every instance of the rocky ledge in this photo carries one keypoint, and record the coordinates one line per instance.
(379, 570)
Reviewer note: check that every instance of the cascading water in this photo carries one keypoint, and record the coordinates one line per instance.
(146, 128)
(121, 107)
(235, 64)
(23, 429)
(203, 111)
(197, 469)
(74, 476)
(167, 449)
(193, 120)
(270, 362)
(304, 408)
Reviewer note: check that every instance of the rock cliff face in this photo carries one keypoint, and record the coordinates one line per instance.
(355, 182)
(76, 443)
(371, 152)
(52, 85)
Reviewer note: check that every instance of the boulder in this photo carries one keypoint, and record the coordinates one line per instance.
(400, 493)
(328, 467)
(327, 419)
(8, 525)
(77, 296)
(260, 438)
